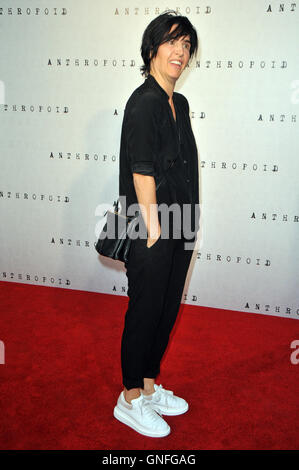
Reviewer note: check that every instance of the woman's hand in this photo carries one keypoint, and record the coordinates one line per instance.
(152, 240)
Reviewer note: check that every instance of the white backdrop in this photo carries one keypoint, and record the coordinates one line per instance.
(66, 73)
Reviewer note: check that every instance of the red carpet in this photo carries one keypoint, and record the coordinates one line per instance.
(62, 376)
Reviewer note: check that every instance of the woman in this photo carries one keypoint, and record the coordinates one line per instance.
(157, 146)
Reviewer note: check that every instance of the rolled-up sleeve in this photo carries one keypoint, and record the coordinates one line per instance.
(142, 134)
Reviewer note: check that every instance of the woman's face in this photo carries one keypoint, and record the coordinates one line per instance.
(172, 57)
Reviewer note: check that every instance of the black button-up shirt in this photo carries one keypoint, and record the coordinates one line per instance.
(150, 140)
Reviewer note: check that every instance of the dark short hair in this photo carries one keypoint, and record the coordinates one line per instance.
(157, 32)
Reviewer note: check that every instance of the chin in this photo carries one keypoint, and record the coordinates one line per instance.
(175, 75)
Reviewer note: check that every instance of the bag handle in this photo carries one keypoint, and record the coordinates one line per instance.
(172, 162)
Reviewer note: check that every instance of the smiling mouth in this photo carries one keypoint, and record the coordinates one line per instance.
(176, 63)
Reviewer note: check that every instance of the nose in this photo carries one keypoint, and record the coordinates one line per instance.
(179, 48)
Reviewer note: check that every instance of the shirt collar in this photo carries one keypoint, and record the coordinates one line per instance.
(152, 82)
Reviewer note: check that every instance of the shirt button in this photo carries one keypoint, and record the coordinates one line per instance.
(188, 181)
(185, 161)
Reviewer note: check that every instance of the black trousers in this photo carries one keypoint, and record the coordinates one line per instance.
(156, 279)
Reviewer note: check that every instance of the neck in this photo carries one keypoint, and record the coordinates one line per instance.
(167, 85)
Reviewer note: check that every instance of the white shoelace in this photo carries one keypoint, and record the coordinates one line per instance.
(146, 410)
(166, 394)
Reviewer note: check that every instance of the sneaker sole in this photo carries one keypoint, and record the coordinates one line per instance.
(172, 413)
(123, 418)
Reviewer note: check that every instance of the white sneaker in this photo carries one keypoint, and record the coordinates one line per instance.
(167, 403)
(140, 416)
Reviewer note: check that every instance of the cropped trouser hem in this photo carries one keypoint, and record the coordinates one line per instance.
(156, 279)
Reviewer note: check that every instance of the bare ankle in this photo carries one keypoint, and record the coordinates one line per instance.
(131, 394)
(148, 392)
(148, 386)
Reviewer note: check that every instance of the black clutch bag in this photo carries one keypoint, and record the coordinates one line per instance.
(114, 240)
